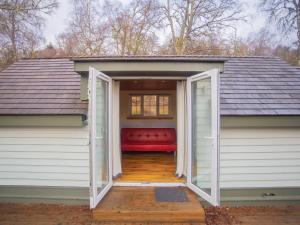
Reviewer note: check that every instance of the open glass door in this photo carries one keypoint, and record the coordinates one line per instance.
(100, 138)
(203, 135)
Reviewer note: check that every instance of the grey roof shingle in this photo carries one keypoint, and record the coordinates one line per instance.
(249, 85)
(260, 86)
(41, 86)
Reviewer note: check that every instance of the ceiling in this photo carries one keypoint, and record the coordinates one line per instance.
(148, 85)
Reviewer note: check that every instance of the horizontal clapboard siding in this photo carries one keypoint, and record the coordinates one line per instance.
(260, 157)
(44, 156)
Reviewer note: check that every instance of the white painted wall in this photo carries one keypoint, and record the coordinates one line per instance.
(41, 156)
(260, 157)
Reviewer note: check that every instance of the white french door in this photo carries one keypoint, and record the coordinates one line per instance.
(203, 135)
(100, 92)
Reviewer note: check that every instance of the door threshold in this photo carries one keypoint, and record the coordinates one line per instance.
(149, 184)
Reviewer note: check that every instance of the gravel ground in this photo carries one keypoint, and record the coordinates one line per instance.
(289, 215)
(44, 214)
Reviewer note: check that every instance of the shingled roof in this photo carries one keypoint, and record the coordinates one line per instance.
(260, 86)
(41, 86)
(249, 86)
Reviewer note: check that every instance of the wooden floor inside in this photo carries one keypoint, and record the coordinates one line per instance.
(148, 167)
(139, 204)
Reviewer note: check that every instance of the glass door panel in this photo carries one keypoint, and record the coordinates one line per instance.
(102, 145)
(201, 141)
(100, 127)
(203, 133)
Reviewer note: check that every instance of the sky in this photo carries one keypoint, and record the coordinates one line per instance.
(58, 21)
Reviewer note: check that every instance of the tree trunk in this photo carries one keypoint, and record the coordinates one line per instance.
(13, 37)
(298, 33)
(172, 27)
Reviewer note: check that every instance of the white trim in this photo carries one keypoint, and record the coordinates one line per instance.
(148, 184)
(214, 198)
(200, 76)
(189, 128)
(216, 142)
(103, 76)
(101, 195)
(91, 140)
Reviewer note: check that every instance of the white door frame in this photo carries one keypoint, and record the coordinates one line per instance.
(95, 198)
(149, 184)
(214, 198)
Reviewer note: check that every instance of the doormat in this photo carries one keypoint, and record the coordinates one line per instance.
(170, 194)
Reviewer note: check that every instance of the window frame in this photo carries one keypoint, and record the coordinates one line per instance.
(158, 115)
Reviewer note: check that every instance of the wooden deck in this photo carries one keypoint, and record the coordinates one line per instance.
(148, 167)
(138, 204)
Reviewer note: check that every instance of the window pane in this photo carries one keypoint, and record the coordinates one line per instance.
(136, 105)
(101, 143)
(150, 105)
(202, 147)
(163, 105)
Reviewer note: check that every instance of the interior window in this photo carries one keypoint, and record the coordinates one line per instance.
(163, 105)
(150, 105)
(136, 105)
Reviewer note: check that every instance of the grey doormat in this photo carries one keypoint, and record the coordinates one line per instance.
(170, 194)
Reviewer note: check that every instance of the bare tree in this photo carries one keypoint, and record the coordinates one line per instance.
(190, 20)
(133, 26)
(50, 51)
(20, 27)
(87, 32)
(288, 54)
(259, 43)
(286, 13)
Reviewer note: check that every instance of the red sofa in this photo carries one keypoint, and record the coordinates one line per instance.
(148, 139)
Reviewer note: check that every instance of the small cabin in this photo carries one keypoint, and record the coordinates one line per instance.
(227, 128)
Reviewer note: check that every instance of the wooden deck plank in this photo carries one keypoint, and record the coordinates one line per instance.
(138, 204)
(148, 167)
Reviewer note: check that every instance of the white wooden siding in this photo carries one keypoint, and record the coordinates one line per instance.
(250, 157)
(260, 157)
(44, 156)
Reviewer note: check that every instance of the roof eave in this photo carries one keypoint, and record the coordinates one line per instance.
(148, 59)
